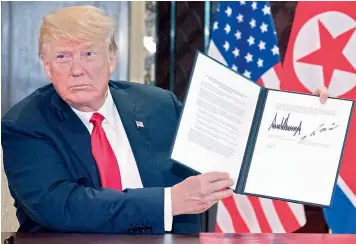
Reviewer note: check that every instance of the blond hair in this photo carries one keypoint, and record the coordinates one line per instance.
(78, 23)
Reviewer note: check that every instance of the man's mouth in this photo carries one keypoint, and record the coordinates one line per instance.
(78, 87)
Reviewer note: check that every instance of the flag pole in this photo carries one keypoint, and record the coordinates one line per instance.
(210, 214)
(172, 46)
(206, 26)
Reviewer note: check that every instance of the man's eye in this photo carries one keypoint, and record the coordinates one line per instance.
(90, 54)
(63, 57)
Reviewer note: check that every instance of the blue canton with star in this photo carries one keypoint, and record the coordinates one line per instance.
(245, 35)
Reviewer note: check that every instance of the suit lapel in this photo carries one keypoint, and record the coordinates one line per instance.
(77, 135)
(130, 111)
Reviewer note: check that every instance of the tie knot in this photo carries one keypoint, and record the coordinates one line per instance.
(96, 119)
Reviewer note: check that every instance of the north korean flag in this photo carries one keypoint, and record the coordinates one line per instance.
(322, 51)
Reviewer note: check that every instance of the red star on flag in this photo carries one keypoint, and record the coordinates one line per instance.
(330, 55)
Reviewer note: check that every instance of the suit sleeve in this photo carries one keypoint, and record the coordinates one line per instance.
(177, 104)
(41, 183)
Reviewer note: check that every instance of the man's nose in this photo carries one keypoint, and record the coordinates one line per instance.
(77, 67)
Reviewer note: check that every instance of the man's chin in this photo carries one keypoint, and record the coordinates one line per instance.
(82, 100)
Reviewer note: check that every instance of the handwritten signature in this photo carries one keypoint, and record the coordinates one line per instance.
(319, 130)
(285, 126)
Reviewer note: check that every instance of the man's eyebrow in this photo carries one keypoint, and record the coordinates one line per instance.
(62, 50)
(90, 47)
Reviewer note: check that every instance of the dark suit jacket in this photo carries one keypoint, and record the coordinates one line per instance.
(53, 177)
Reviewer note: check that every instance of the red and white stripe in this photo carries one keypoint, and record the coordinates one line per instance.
(271, 78)
(247, 214)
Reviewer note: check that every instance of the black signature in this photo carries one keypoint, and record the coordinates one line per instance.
(284, 125)
(320, 130)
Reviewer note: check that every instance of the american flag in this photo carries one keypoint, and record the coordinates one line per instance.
(244, 39)
(139, 124)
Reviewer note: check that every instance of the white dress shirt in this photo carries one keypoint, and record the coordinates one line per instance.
(119, 142)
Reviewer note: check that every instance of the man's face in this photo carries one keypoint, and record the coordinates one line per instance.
(79, 72)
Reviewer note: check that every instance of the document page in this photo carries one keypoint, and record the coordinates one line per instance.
(216, 119)
(298, 148)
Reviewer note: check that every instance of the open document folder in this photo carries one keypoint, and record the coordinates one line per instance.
(274, 144)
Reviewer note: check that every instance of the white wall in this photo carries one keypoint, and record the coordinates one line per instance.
(137, 32)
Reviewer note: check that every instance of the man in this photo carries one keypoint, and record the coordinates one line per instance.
(85, 154)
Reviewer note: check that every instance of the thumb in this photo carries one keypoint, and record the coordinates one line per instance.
(323, 94)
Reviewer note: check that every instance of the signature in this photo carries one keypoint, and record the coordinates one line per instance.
(284, 125)
(319, 130)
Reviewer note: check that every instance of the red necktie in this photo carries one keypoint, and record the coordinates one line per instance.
(104, 155)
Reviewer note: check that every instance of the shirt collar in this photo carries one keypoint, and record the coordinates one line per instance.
(107, 110)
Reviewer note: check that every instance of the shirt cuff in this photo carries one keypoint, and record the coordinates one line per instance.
(168, 218)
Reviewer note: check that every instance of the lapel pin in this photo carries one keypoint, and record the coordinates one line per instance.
(139, 124)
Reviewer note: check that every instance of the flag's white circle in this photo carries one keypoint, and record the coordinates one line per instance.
(308, 41)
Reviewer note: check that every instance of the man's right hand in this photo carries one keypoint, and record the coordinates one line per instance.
(196, 194)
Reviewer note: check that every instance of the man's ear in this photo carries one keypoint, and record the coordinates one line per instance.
(112, 61)
(46, 67)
